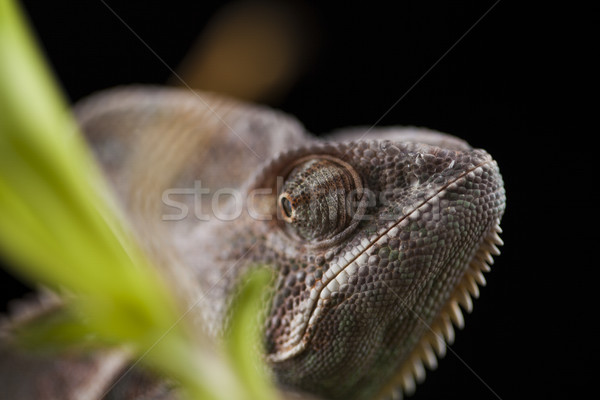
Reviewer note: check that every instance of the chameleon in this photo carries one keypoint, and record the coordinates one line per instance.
(377, 238)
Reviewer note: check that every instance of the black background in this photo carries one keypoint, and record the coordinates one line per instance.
(506, 87)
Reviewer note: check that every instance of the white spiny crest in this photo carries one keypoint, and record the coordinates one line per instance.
(441, 332)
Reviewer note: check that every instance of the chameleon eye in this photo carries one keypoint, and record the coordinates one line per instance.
(286, 207)
(320, 198)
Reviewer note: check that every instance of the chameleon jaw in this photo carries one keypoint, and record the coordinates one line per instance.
(433, 344)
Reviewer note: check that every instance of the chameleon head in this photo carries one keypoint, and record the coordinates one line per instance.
(373, 244)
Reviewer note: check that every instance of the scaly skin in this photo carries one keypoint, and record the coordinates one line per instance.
(373, 240)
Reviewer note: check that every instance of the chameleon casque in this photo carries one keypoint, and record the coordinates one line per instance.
(376, 238)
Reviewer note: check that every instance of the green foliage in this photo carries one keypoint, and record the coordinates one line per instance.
(59, 228)
(244, 333)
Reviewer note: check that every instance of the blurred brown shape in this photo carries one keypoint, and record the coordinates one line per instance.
(252, 50)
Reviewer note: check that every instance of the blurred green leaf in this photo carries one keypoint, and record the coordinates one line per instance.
(53, 331)
(245, 335)
(59, 228)
(57, 224)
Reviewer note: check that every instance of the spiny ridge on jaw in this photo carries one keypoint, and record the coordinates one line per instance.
(441, 332)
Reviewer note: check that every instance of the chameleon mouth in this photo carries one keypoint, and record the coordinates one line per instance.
(433, 344)
(340, 271)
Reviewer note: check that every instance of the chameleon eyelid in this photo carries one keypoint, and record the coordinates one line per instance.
(337, 192)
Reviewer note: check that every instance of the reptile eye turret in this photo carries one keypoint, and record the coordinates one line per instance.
(321, 198)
